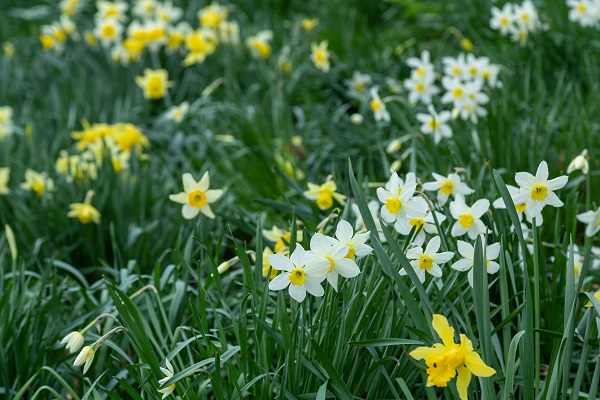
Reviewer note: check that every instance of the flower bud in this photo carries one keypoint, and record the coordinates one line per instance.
(74, 341)
(579, 162)
(356, 119)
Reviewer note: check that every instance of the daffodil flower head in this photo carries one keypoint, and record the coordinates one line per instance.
(324, 194)
(196, 196)
(520, 208)
(448, 359)
(468, 219)
(154, 83)
(260, 44)
(378, 107)
(592, 220)
(281, 238)
(4, 177)
(320, 55)
(428, 260)
(467, 252)
(85, 212)
(355, 241)
(168, 372)
(579, 163)
(39, 183)
(447, 186)
(86, 356)
(398, 201)
(335, 254)
(73, 341)
(303, 272)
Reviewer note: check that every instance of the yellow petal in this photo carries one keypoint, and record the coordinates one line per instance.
(476, 365)
(423, 352)
(462, 382)
(443, 329)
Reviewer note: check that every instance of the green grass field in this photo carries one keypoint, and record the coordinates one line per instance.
(121, 276)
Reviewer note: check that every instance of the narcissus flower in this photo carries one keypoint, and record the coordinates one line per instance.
(177, 113)
(260, 44)
(447, 186)
(38, 183)
(4, 177)
(86, 356)
(73, 341)
(168, 372)
(448, 359)
(85, 212)
(398, 201)
(355, 242)
(428, 260)
(324, 194)
(520, 208)
(154, 83)
(580, 162)
(378, 107)
(212, 15)
(435, 124)
(424, 223)
(358, 85)
(592, 219)
(537, 191)
(200, 44)
(334, 253)
(302, 272)
(308, 24)
(467, 251)
(266, 266)
(320, 55)
(196, 196)
(468, 219)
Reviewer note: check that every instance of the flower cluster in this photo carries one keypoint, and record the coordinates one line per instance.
(585, 12)
(516, 20)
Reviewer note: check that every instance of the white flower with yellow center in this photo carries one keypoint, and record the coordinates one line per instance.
(196, 196)
(583, 11)
(358, 85)
(260, 44)
(435, 124)
(447, 186)
(334, 253)
(455, 67)
(456, 91)
(398, 201)
(470, 107)
(108, 31)
(320, 55)
(520, 208)
(302, 272)
(422, 224)
(502, 20)
(420, 90)
(537, 191)
(145, 9)
(422, 68)
(355, 242)
(526, 16)
(468, 219)
(467, 251)
(167, 13)
(229, 33)
(427, 260)
(592, 219)
(115, 10)
(168, 372)
(378, 107)
(177, 113)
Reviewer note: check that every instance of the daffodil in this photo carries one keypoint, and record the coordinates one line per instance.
(537, 191)
(115, 10)
(177, 113)
(4, 177)
(468, 219)
(324, 194)
(167, 13)
(85, 212)
(355, 241)
(398, 201)
(420, 89)
(73, 341)
(154, 83)
(308, 24)
(302, 272)
(281, 238)
(591, 218)
(212, 15)
(583, 11)
(168, 372)
(579, 163)
(320, 55)
(267, 266)
(260, 44)
(108, 31)
(519, 208)
(37, 182)
(448, 359)
(86, 356)
(145, 9)
(424, 223)
(358, 85)
(502, 19)
(467, 252)
(334, 253)
(447, 186)
(200, 44)
(378, 107)
(6, 128)
(196, 196)
(435, 124)
(427, 260)
(422, 68)
(229, 33)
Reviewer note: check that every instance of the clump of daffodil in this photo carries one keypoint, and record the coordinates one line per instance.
(200, 44)
(154, 83)
(448, 359)
(196, 196)
(85, 212)
(260, 44)
(86, 355)
(320, 55)
(37, 182)
(324, 194)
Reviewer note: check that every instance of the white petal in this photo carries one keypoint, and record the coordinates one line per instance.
(344, 231)
(297, 292)
(525, 180)
(542, 172)
(557, 183)
(462, 265)
(492, 251)
(332, 279)
(213, 195)
(281, 262)
(480, 207)
(320, 244)
(587, 217)
(493, 267)
(181, 198)
(458, 230)
(189, 212)
(188, 182)
(553, 200)
(347, 268)
(444, 257)
(280, 282)
(313, 286)
(204, 183)
(433, 246)
(436, 271)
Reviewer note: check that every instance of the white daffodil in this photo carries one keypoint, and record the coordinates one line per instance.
(303, 272)
(196, 196)
(537, 191)
(467, 251)
(73, 341)
(424, 224)
(470, 107)
(378, 107)
(85, 356)
(358, 85)
(435, 124)
(334, 253)
(320, 55)
(583, 11)
(526, 16)
(579, 163)
(422, 68)
(355, 241)
(420, 90)
(592, 219)
(503, 19)
(520, 208)
(359, 225)
(455, 67)
(447, 186)
(398, 201)
(428, 260)
(168, 372)
(468, 219)
(177, 113)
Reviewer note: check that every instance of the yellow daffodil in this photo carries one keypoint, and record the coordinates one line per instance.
(260, 44)
(281, 238)
(196, 197)
(324, 194)
(154, 83)
(212, 15)
(448, 359)
(320, 55)
(38, 183)
(200, 44)
(85, 212)
(308, 24)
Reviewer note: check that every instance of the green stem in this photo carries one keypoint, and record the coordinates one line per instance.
(537, 305)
